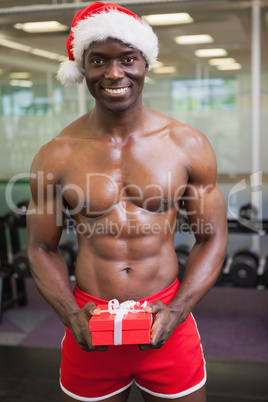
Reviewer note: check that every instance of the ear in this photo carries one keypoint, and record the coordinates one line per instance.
(146, 67)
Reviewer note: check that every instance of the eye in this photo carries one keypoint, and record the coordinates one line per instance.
(97, 62)
(129, 59)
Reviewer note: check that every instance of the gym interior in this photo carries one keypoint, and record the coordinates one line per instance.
(212, 73)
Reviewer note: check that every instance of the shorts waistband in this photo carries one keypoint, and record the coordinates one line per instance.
(165, 295)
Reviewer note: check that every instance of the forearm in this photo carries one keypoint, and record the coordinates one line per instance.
(203, 267)
(51, 277)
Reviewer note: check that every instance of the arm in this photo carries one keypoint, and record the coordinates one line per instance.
(44, 229)
(207, 216)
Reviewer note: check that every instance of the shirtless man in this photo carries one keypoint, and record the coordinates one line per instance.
(121, 170)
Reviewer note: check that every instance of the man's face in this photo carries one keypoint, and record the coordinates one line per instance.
(114, 74)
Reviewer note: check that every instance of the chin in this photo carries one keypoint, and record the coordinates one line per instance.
(119, 107)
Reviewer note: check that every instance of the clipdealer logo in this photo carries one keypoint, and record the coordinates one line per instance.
(254, 193)
(132, 227)
(50, 201)
(46, 193)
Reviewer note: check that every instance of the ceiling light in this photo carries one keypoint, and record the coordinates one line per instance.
(193, 39)
(42, 26)
(45, 53)
(233, 66)
(19, 75)
(168, 19)
(14, 45)
(32, 50)
(21, 83)
(165, 70)
(218, 62)
(157, 64)
(210, 52)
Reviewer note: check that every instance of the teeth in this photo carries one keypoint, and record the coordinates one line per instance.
(116, 91)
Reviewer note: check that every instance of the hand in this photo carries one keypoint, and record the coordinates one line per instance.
(80, 327)
(165, 321)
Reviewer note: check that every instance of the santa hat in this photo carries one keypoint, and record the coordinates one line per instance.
(98, 22)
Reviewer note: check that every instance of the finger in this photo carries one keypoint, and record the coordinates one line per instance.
(145, 347)
(101, 348)
(155, 307)
(150, 346)
(89, 347)
(92, 348)
(91, 309)
(157, 331)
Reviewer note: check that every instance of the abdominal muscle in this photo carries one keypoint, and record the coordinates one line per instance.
(128, 266)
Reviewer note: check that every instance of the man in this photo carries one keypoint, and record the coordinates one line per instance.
(121, 170)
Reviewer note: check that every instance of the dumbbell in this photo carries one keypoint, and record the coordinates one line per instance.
(243, 270)
(20, 264)
(182, 253)
(248, 214)
(68, 251)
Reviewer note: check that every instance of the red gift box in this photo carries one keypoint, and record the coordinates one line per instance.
(121, 326)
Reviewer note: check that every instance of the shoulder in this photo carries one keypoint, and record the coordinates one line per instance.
(53, 154)
(198, 154)
(185, 138)
(189, 138)
(51, 157)
(178, 131)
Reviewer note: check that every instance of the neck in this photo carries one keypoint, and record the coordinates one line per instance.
(119, 124)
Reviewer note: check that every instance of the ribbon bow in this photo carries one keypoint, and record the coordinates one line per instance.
(126, 307)
(120, 309)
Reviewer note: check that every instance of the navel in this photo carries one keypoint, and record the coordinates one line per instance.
(127, 270)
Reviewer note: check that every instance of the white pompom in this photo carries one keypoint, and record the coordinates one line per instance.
(70, 73)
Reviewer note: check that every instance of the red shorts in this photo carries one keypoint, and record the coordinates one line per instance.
(175, 370)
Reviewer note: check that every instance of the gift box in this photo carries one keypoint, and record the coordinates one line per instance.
(121, 324)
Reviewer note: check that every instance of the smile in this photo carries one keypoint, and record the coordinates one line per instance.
(116, 91)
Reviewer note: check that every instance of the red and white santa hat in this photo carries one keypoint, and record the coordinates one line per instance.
(98, 22)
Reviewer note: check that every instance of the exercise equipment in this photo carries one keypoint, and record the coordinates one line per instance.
(182, 252)
(182, 221)
(247, 219)
(243, 270)
(9, 294)
(20, 264)
(68, 251)
(248, 211)
(265, 273)
(17, 217)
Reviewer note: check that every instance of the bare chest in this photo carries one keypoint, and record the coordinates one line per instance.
(147, 176)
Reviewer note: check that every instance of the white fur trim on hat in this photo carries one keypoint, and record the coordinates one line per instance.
(98, 28)
(70, 73)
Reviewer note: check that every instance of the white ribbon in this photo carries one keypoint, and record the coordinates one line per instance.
(120, 309)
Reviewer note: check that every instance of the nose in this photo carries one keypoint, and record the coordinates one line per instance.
(114, 71)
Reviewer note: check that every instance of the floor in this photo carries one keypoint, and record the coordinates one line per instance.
(31, 375)
(233, 324)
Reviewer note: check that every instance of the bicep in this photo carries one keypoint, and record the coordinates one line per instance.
(44, 225)
(206, 211)
(45, 211)
(203, 199)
